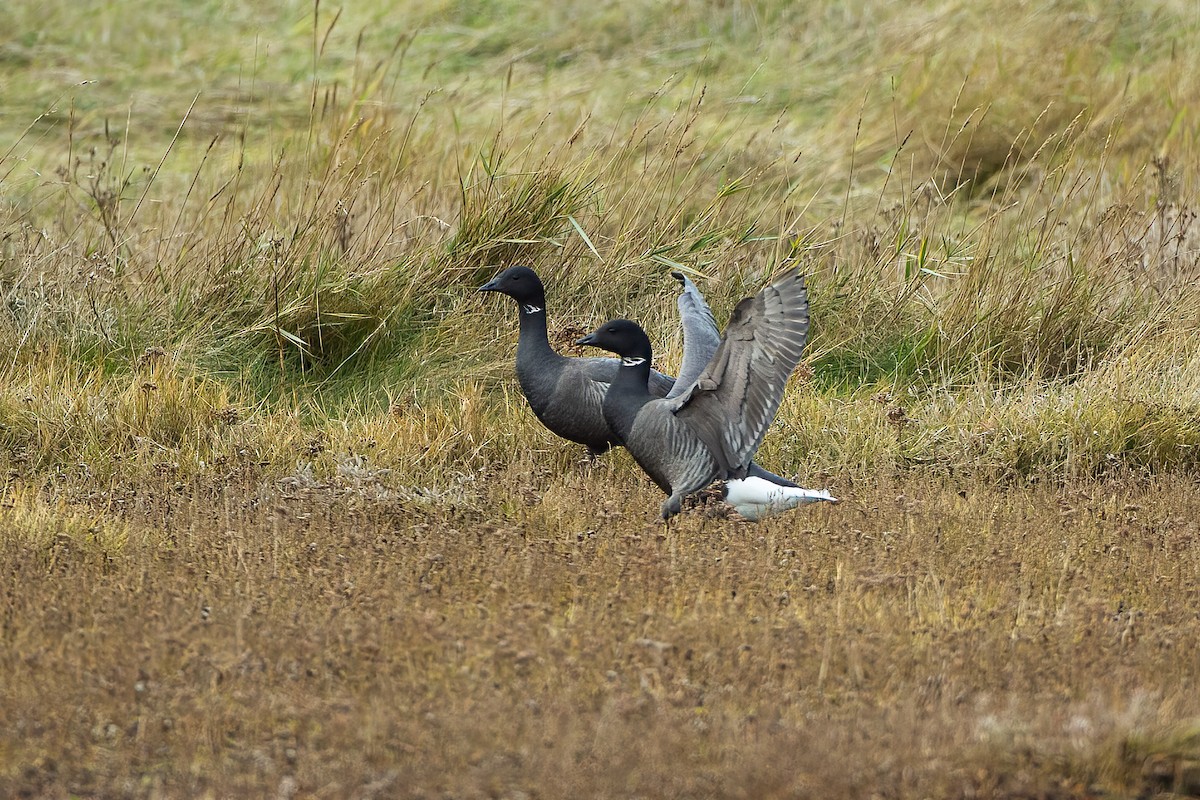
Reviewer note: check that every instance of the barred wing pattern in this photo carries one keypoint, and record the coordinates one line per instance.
(734, 400)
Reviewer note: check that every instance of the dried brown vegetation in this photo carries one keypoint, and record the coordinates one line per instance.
(914, 641)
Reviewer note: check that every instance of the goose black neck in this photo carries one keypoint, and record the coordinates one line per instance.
(534, 338)
(633, 377)
(630, 391)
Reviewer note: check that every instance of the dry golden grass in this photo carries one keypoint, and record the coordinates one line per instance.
(924, 639)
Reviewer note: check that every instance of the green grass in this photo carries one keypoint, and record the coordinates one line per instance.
(976, 217)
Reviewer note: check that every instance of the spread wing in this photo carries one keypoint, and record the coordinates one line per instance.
(732, 403)
(700, 335)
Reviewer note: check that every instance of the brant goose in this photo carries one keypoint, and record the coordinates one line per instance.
(565, 393)
(711, 423)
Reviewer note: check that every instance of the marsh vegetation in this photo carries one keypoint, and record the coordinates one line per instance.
(275, 518)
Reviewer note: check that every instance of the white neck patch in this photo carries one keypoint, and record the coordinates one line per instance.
(630, 361)
(530, 308)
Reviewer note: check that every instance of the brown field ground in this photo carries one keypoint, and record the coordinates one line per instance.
(920, 639)
(276, 522)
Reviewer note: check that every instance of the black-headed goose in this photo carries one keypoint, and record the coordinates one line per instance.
(710, 424)
(567, 394)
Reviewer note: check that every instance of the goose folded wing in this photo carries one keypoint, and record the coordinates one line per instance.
(734, 400)
(604, 370)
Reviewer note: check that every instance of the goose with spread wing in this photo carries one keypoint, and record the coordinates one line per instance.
(567, 394)
(709, 425)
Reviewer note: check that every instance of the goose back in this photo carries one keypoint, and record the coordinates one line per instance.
(567, 396)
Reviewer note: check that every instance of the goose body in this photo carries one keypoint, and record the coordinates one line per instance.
(712, 421)
(567, 394)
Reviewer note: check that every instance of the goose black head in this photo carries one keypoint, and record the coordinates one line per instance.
(521, 284)
(622, 337)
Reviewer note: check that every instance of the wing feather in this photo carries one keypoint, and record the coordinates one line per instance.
(734, 400)
(700, 335)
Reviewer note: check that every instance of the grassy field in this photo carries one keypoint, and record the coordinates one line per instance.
(274, 519)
